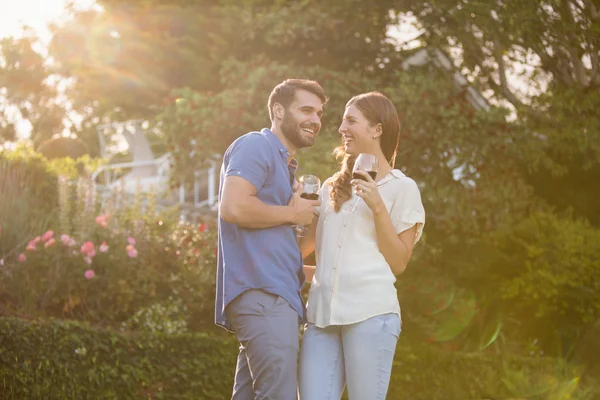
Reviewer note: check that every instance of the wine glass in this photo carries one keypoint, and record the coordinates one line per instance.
(367, 163)
(310, 190)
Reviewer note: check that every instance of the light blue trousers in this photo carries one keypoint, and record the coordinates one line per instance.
(267, 329)
(358, 355)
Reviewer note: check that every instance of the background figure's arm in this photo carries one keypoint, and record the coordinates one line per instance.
(309, 272)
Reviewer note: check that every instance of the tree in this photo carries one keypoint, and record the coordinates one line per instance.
(554, 46)
(26, 91)
(125, 61)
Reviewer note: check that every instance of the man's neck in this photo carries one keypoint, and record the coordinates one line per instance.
(286, 143)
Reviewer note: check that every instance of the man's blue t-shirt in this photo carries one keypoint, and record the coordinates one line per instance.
(266, 259)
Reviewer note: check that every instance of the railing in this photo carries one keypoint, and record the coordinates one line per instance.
(162, 177)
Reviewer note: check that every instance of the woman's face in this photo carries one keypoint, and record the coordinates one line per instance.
(359, 135)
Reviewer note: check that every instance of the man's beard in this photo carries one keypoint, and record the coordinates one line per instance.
(292, 131)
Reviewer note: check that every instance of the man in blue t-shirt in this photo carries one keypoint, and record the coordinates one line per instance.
(259, 271)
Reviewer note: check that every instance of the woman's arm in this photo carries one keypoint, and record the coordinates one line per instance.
(397, 249)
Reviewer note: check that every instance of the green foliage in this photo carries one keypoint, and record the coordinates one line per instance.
(551, 269)
(200, 124)
(542, 58)
(319, 160)
(25, 87)
(22, 211)
(66, 360)
(533, 282)
(463, 158)
(61, 147)
(28, 183)
(113, 267)
(41, 176)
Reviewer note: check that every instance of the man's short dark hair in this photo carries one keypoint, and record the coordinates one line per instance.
(284, 92)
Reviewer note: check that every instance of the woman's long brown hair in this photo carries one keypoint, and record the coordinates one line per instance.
(377, 109)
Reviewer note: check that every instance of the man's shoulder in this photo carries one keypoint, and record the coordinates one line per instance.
(254, 140)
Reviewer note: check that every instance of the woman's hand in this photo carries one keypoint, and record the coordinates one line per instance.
(368, 191)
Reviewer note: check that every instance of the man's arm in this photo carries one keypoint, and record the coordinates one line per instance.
(239, 205)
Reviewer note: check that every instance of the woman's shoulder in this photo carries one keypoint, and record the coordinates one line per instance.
(328, 182)
(404, 185)
(401, 178)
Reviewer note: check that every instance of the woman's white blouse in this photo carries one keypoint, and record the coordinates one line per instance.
(353, 281)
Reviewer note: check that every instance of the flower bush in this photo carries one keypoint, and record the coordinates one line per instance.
(112, 276)
(111, 262)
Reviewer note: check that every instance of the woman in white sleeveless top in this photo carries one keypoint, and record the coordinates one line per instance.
(363, 238)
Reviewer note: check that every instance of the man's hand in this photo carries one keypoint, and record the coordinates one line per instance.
(303, 210)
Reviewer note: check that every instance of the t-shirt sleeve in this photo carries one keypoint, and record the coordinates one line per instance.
(248, 158)
(408, 209)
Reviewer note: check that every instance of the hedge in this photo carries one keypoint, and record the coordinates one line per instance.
(67, 360)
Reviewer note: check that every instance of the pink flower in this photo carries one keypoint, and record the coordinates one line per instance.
(65, 239)
(30, 246)
(46, 236)
(131, 240)
(50, 242)
(22, 257)
(133, 253)
(88, 260)
(102, 220)
(103, 247)
(37, 240)
(89, 274)
(87, 248)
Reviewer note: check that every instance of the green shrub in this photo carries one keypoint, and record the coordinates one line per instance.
(112, 275)
(69, 361)
(58, 360)
(28, 193)
(115, 268)
(26, 206)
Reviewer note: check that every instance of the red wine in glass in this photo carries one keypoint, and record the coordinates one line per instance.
(367, 163)
(373, 174)
(310, 196)
(311, 185)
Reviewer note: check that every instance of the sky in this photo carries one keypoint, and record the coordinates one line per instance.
(35, 13)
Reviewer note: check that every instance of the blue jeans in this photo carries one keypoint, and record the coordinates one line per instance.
(267, 329)
(358, 355)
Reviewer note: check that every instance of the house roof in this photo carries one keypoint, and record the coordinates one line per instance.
(424, 55)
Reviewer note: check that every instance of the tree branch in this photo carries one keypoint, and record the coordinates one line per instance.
(592, 8)
(570, 50)
(502, 87)
(594, 76)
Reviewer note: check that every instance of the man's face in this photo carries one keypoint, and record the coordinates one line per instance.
(301, 122)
